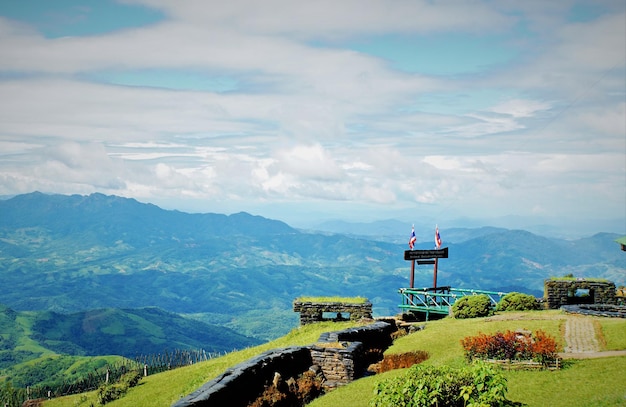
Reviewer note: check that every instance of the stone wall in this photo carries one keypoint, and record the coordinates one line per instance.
(311, 312)
(356, 348)
(342, 357)
(243, 383)
(562, 292)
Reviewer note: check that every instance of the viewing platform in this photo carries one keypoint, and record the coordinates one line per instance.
(438, 301)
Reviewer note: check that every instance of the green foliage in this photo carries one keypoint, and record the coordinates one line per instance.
(517, 302)
(570, 277)
(443, 386)
(31, 335)
(11, 396)
(472, 306)
(110, 392)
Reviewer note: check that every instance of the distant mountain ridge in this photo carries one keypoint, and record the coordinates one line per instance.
(76, 253)
(111, 215)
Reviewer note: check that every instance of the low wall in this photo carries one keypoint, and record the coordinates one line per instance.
(311, 312)
(597, 310)
(243, 383)
(342, 357)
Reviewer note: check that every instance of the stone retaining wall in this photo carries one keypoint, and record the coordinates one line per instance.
(311, 312)
(597, 310)
(342, 357)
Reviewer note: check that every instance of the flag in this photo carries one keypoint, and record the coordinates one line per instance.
(437, 237)
(413, 238)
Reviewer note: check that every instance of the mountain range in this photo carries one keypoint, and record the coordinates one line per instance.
(70, 254)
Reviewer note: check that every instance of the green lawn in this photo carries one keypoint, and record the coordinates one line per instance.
(590, 382)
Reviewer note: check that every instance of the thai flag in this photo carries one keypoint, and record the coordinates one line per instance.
(437, 237)
(413, 238)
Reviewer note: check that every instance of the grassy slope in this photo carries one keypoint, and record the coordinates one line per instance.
(164, 388)
(592, 382)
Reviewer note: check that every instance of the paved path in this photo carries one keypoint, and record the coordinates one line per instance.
(580, 335)
(582, 342)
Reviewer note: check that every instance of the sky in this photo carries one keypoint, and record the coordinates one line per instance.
(359, 110)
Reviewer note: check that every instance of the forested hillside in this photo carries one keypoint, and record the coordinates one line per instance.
(77, 253)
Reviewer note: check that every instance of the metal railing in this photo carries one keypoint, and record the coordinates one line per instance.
(439, 300)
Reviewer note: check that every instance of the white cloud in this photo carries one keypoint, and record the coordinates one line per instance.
(311, 122)
(518, 108)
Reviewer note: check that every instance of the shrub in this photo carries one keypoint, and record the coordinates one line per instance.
(401, 360)
(544, 348)
(111, 392)
(443, 386)
(472, 306)
(517, 302)
(511, 345)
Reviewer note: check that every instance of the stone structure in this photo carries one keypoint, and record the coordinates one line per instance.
(560, 292)
(311, 312)
(341, 356)
(597, 310)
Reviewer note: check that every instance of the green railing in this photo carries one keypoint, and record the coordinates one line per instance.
(439, 300)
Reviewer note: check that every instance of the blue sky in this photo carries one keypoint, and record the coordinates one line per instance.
(362, 110)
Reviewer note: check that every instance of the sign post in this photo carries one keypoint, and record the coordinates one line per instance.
(425, 257)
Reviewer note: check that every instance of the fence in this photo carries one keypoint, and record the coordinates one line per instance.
(439, 300)
(147, 364)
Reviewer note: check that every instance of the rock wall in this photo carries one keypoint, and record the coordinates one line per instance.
(562, 292)
(342, 357)
(355, 349)
(241, 384)
(311, 312)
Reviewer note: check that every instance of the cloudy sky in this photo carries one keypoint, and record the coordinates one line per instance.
(303, 111)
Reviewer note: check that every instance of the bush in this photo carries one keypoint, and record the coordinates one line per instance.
(401, 360)
(472, 306)
(110, 392)
(443, 386)
(512, 346)
(517, 302)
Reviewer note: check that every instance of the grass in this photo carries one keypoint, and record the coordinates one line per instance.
(614, 333)
(25, 342)
(164, 388)
(569, 278)
(344, 300)
(589, 382)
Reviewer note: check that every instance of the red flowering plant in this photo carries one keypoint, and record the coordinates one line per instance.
(544, 348)
(511, 345)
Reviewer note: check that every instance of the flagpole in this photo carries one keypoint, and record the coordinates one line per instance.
(435, 273)
(437, 246)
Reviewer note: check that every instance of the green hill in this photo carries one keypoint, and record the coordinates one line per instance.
(587, 382)
(37, 347)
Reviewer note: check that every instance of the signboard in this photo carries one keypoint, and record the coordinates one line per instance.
(426, 254)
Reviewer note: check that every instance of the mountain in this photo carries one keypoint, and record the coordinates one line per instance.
(69, 254)
(111, 331)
